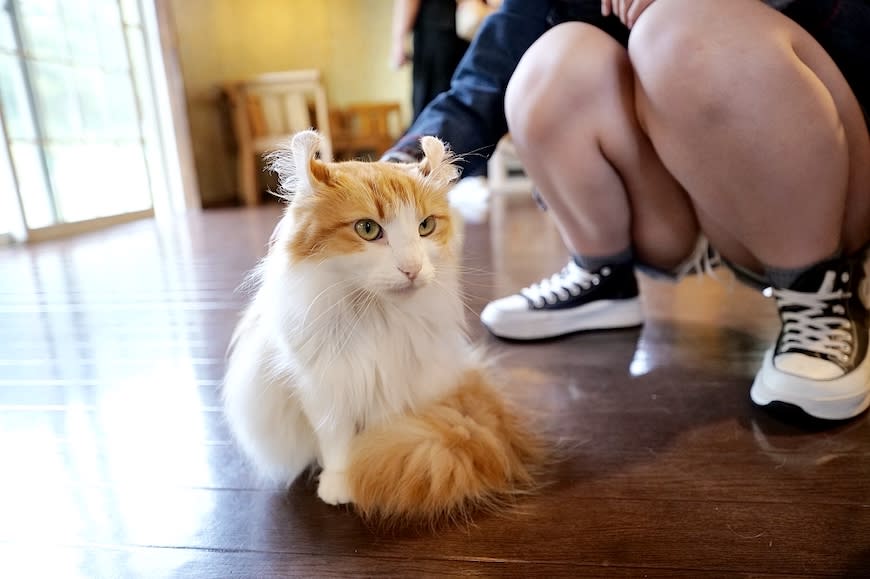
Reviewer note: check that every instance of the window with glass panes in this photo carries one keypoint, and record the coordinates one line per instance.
(79, 109)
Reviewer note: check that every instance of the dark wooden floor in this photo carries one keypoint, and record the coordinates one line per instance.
(115, 460)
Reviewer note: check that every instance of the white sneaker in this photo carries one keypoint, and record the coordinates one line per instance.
(570, 301)
(471, 198)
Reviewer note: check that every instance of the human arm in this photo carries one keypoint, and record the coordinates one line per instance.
(404, 16)
(470, 116)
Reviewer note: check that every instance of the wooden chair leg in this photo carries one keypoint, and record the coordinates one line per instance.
(248, 178)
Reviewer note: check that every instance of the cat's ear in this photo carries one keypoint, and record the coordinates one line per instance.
(299, 171)
(437, 165)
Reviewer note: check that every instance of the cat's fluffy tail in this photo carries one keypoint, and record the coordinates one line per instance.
(466, 452)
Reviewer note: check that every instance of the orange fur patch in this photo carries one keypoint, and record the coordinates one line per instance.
(464, 453)
(349, 191)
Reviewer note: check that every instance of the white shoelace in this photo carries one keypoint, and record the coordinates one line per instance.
(807, 328)
(571, 281)
(704, 260)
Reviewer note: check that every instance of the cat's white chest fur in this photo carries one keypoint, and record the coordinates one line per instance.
(360, 357)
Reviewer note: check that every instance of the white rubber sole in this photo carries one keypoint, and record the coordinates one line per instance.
(542, 324)
(839, 399)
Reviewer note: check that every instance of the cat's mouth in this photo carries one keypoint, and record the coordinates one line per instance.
(405, 289)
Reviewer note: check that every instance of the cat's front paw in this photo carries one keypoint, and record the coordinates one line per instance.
(333, 487)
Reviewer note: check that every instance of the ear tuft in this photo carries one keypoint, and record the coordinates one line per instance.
(437, 165)
(295, 163)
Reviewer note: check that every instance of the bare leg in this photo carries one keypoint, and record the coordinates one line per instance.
(756, 121)
(570, 107)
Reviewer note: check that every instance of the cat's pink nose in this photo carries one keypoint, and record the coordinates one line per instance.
(410, 271)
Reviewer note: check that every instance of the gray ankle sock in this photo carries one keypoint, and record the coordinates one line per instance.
(594, 263)
(785, 277)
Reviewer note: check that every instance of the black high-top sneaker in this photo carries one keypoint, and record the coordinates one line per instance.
(570, 301)
(819, 362)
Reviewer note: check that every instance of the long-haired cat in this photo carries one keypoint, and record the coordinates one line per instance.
(353, 354)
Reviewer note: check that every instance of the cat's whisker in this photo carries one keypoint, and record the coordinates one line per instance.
(489, 286)
(457, 294)
(367, 299)
(366, 305)
(469, 269)
(469, 295)
(313, 329)
(306, 327)
(302, 324)
(464, 268)
(356, 298)
(465, 283)
(472, 153)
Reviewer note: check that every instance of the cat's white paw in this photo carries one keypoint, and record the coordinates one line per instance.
(333, 487)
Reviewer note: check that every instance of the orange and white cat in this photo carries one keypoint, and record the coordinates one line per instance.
(353, 354)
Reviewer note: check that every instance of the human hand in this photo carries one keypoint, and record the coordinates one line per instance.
(627, 11)
(399, 57)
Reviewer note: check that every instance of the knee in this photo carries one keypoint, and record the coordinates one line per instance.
(682, 66)
(565, 73)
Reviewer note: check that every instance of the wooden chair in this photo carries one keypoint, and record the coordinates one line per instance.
(506, 174)
(268, 109)
(365, 129)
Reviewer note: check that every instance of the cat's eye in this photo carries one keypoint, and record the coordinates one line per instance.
(368, 229)
(427, 226)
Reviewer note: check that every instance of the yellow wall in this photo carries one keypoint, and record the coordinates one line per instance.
(221, 40)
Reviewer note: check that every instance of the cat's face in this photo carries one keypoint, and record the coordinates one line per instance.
(384, 227)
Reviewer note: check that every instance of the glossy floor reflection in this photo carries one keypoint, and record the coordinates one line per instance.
(116, 461)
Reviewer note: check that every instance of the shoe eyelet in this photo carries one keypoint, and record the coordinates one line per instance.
(596, 280)
(605, 271)
(845, 277)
